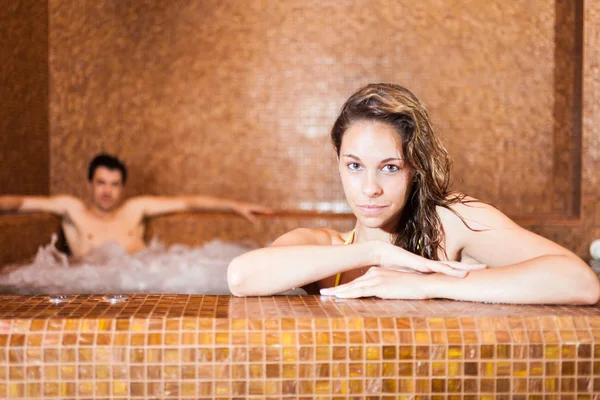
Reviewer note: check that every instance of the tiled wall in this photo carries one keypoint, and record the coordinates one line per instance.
(24, 146)
(236, 100)
(21, 235)
(578, 235)
(194, 230)
(24, 134)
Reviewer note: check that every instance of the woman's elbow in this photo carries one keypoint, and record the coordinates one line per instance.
(243, 280)
(236, 278)
(588, 291)
(592, 293)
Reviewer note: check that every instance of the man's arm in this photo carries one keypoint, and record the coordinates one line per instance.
(51, 204)
(158, 205)
(10, 203)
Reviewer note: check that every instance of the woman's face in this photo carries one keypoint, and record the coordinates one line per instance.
(375, 175)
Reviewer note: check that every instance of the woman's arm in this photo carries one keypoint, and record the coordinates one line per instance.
(531, 282)
(533, 269)
(527, 268)
(295, 259)
(549, 279)
(305, 256)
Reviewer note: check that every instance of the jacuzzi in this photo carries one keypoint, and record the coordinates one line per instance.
(211, 346)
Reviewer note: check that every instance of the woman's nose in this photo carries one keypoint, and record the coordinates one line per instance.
(371, 187)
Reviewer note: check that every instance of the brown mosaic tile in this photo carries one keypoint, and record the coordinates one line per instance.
(306, 126)
(24, 124)
(254, 347)
(286, 133)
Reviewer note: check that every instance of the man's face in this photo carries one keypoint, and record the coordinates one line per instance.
(106, 188)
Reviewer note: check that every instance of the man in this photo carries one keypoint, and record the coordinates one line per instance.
(105, 218)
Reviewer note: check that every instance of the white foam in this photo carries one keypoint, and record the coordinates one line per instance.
(109, 269)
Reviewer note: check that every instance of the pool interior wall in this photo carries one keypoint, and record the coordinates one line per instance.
(181, 346)
(199, 346)
(22, 234)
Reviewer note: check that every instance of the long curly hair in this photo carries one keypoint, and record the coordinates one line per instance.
(418, 228)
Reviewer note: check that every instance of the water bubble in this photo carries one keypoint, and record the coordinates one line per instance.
(59, 299)
(115, 298)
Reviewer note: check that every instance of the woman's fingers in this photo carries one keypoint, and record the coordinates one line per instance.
(454, 268)
(464, 266)
(356, 292)
(446, 269)
(365, 280)
(368, 284)
(409, 270)
(403, 261)
(382, 283)
(356, 288)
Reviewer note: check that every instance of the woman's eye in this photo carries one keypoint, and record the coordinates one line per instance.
(354, 166)
(390, 168)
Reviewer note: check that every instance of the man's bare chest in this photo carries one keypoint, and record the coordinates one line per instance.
(87, 230)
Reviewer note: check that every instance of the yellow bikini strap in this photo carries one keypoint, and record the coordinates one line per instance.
(350, 238)
(348, 241)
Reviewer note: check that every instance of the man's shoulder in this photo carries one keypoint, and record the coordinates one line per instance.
(68, 206)
(138, 202)
(134, 206)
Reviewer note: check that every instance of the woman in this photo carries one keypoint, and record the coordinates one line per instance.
(414, 239)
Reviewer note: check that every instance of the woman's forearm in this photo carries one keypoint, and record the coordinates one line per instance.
(277, 269)
(551, 279)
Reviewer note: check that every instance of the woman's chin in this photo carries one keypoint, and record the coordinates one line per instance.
(372, 222)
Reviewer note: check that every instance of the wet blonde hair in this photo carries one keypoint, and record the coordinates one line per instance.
(418, 228)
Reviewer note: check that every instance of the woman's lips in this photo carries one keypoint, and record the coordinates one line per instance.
(371, 210)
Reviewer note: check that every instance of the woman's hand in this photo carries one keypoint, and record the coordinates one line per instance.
(392, 257)
(382, 283)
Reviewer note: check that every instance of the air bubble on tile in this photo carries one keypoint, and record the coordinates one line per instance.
(60, 299)
(115, 298)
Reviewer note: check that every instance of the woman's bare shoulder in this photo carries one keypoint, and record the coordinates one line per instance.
(311, 236)
(470, 213)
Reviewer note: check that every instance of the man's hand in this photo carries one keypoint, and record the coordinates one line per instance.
(249, 210)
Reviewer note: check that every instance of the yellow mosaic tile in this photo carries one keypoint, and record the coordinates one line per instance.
(430, 356)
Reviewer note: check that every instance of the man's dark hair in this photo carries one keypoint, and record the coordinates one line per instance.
(107, 161)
